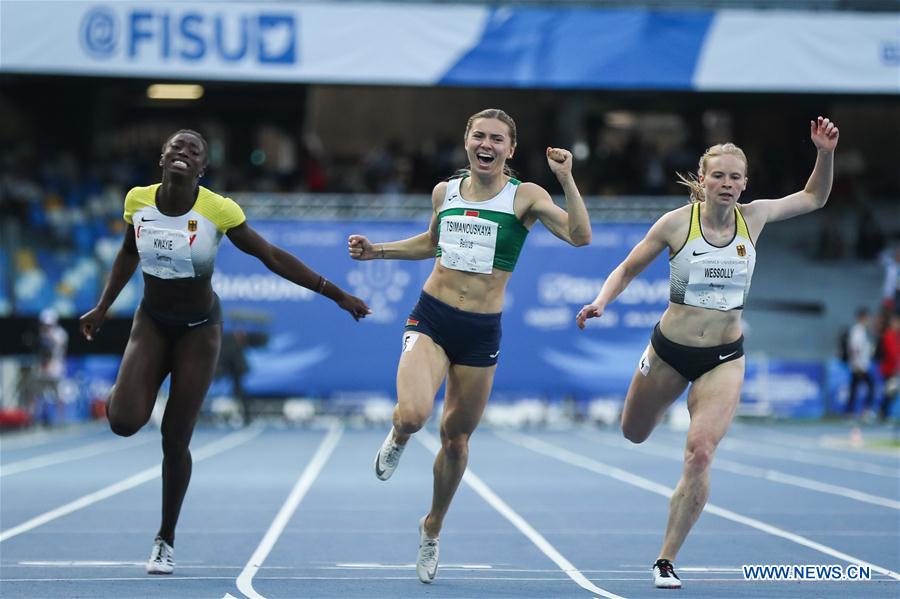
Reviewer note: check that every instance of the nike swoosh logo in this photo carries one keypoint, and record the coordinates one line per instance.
(701, 253)
(495, 354)
(378, 471)
(148, 220)
(726, 356)
(199, 322)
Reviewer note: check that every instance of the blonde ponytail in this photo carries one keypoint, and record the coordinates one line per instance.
(698, 194)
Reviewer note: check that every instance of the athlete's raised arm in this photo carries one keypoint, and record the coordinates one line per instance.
(814, 195)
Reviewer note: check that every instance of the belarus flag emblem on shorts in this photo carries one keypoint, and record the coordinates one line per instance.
(471, 213)
(412, 322)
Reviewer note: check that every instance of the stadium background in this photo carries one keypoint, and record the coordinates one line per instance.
(326, 119)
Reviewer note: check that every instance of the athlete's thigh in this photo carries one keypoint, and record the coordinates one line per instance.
(713, 400)
(654, 386)
(194, 359)
(145, 364)
(468, 391)
(422, 368)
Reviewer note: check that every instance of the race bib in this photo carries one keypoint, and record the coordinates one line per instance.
(717, 283)
(468, 243)
(165, 253)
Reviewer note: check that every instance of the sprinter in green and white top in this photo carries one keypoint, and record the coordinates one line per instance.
(698, 340)
(479, 224)
(483, 235)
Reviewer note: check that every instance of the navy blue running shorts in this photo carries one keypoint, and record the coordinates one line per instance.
(468, 338)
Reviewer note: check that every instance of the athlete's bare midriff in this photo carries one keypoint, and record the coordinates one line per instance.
(178, 297)
(472, 292)
(700, 327)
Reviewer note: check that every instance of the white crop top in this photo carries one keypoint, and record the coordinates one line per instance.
(184, 246)
(708, 276)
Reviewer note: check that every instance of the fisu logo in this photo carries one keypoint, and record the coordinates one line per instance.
(191, 35)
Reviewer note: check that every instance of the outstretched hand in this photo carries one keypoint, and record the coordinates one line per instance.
(589, 311)
(824, 134)
(355, 306)
(361, 248)
(560, 161)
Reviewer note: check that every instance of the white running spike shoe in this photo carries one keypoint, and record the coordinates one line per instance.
(162, 558)
(429, 551)
(388, 457)
(664, 576)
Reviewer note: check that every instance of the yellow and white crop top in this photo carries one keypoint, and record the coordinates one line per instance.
(184, 246)
(708, 276)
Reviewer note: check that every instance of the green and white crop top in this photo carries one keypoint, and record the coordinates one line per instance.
(184, 246)
(708, 276)
(478, 236)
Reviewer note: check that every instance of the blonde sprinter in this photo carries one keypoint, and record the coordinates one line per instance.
(479, 223)
(698, 341)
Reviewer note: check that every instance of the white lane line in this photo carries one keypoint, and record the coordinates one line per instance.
(759, 449)
(35, 438)
(470, 478)
(204, 452)
(80, 579)
(245, 579)
(674, 453)
(586, 463)
(837, 441)
(155, 579)
(67, 455)
(375, 566)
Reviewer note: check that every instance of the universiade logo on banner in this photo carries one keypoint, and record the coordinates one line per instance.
(383, 284)
(190, 36)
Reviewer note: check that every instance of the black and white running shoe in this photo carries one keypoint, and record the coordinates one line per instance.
(664, 576)
(162, 558)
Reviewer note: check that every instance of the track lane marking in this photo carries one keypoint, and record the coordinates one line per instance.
(67, 455)
(592, 465)
(303, 484)
(672, 453)
(206, 451)
(470, 478)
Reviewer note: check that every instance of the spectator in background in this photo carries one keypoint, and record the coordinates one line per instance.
(233, 366)
(52, 345)
(890, 294)
(859, 359)
(889, 364)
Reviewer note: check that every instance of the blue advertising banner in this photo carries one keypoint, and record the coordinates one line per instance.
(784, 389)
(315, 348)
